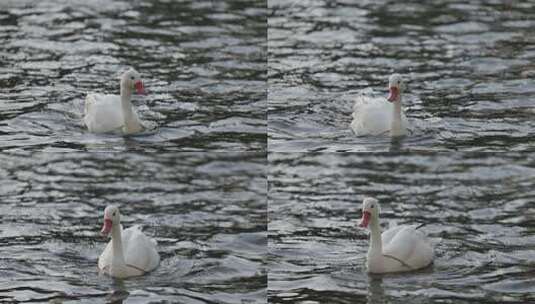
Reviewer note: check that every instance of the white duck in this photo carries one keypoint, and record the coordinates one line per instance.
(107, 113)
(130, 252)
(401, 248)
(375, 116)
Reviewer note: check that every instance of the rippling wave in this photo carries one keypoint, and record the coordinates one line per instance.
(203, 63)
(469, 68)
(207, 212)
(477, 209)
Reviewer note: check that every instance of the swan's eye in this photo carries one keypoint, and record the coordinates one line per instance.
(132, 77)
(372, 206)
(113, 214)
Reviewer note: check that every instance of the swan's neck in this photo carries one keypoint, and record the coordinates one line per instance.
(131, 122)
(376, 242)
(395, 128)
(117, 247)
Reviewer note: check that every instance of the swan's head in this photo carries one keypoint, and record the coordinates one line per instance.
(395, 86)
(111, 217)
(132, 80)
(370, 210)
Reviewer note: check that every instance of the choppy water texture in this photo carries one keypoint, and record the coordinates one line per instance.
(207, 212)
(478, 210)
(469, 66)
(203, 63)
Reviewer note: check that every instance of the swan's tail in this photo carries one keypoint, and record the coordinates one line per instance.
(420, 226)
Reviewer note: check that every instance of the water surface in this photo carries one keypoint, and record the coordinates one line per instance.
(468, 67)
(478, 210)
(203, 63)
(206, 211)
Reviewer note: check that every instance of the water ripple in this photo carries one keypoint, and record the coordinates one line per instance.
(204, 71)
(207, 212)
(476, 208)
(455, 56)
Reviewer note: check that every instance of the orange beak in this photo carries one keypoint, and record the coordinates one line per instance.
(139, 87)
(365, 219)
(393, 94)
(106, 228)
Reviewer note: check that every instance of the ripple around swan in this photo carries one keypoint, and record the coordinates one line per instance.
(456, 56)
(204, 72)
(476, 207)
(206, 210)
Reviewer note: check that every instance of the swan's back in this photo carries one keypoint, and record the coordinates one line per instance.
(408, 245)
(104, 260)
(103, 113)
(139, 249)
(373, 116)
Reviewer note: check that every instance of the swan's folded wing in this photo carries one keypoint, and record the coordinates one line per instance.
(140, 250)
(389, 234)
(403, 243)
(103, 113)
(410, 246)
(371, 115)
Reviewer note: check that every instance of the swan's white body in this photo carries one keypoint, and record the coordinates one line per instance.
(108, 113)
(104, 113)
(129, 253)
(377, 116)
(401, 248)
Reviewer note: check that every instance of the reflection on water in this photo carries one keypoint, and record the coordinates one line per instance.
(207, 211)
(477, 209)
(119, 293)
(203, 64)
(396, 143)
(376, 292)
(469, 68)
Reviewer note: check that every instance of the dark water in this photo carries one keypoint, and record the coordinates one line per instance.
(207, 212)
(203, 63)
(469, 66)
(213, 71)
(478, 209)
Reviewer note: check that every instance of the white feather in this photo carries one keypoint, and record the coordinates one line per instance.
(139, 252)
(373, 116)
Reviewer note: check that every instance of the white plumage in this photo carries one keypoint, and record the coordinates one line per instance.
(108, 113)
(130, 252)
(373, 116)
(378, 116)
(401, 248)
(103, 113)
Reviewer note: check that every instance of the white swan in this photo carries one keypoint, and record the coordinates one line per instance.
(375, 116)
(130, 252)
(401, 248)
(107, 113)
